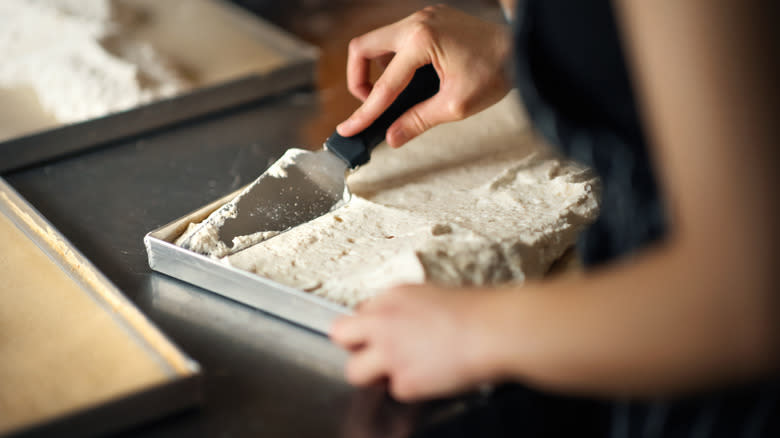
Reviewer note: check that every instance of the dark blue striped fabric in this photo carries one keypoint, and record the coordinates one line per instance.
(572, 76)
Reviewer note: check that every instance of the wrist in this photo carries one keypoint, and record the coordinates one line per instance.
(492, 337)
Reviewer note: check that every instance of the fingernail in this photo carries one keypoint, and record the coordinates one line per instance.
(344, 125)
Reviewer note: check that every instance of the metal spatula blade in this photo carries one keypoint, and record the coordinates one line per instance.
(308, 188)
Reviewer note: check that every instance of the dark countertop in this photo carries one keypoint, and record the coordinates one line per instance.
(262, 376)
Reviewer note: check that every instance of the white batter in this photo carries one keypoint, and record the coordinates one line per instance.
(476, 202)
(77, 57)
(204, 237)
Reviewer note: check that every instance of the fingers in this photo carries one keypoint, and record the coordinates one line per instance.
(358, 73)
(405, 391)
(366, 367)
(384, 60)
(376, 44)
(450, 104)
(348, 332)
(418, 119)
(395, 78)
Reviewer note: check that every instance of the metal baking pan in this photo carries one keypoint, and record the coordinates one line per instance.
(220, 44)
(42, 366)
(289, 303)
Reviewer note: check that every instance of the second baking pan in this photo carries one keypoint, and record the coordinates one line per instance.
(78, 358)
(234, 57)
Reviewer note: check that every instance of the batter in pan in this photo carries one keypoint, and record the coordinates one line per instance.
(474, 202)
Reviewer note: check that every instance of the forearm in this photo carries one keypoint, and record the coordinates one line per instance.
(662, 324)
(703, 307)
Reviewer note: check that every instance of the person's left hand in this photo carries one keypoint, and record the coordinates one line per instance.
(424, 340)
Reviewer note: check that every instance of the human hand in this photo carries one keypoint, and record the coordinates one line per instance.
(426, 341)
(467, 53)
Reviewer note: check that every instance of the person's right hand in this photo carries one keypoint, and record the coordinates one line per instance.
(468, 54)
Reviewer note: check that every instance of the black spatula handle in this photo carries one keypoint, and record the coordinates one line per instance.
(356, 150)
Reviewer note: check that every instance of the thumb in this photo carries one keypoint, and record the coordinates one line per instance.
(418, 119)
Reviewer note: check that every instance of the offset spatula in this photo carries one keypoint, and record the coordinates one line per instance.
(314, 182)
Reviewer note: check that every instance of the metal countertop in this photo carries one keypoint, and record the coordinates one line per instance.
(262, 375)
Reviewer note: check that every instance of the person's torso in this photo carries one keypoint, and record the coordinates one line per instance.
(572, 75)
